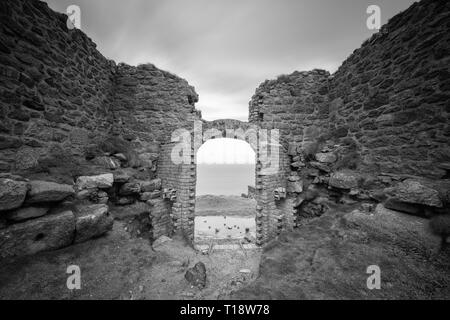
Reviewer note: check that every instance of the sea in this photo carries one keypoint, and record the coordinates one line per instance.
(224, 179)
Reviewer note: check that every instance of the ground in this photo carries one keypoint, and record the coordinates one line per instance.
(117, 266)
(325, 258)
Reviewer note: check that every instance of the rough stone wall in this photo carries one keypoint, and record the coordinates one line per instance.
(150, 104)
(292, 103)
(392, 95)
(296, 105)
(381, 119)
(180, 177)
(68, 114)
(56, 88)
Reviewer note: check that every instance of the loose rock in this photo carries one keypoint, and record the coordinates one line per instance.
(92, 221)
(196, 276)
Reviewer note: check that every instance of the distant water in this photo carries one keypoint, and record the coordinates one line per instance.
(224, 179)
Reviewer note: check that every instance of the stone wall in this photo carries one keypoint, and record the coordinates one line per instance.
(378, 128)
(150, 104)
(82, 137)
(392, 95)
(293, 104)
(68, 113)
(56, 88)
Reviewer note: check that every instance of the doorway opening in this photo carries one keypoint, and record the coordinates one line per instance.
(225, 208)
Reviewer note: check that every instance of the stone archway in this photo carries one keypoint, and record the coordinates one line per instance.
(271, 172)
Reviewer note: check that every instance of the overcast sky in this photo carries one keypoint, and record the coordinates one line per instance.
(225, 151)
(226, 48)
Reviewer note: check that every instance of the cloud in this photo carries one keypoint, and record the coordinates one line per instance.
(225, 151)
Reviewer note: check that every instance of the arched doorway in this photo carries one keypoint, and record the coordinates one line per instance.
(224, 212)
(273, 213)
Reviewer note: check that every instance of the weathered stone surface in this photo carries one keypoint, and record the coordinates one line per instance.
(160, 241)
(121, 157)
(396, 205)
(320, 166)
(149, 186)
(294, 186)
(107, 162)
(45, 191)
(344, 179)
(92, 221)
(12, 194)
(327, 157)
(150, 195)
(298, 164)
(46, 233)
(122, 175)
(101, 197)
(147, 159)
(122, 201)
(440, 226)
(196, 276)
(292, 149)
(101, 181)
(130, 188)
(26, 213)
(413, 191)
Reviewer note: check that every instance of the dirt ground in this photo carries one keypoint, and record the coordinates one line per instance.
(325, 258)
(328, 257)
(117, 266)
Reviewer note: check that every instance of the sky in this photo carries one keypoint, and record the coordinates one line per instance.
(225, 151)
(226, 48)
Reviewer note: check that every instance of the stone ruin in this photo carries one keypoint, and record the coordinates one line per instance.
(84, 141)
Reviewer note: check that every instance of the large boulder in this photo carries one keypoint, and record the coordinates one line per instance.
(414, 192)
(345, 179)
(12, 194)
(46, 191)
(102, 181)
(196, 276)
(92, 221)
(26, 213)
(47, 233)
